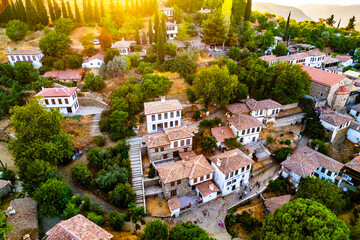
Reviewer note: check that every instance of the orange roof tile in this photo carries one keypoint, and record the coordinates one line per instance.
(56, 92)
(206, 188)
(25, 52)
(174, 203)
(231, 160)
(344, 58)
(222, 133)
(242, 122)
(354, 164)
(276, 202)
(162, 106)
(187, 155)
(177, 133)
(322, 77)
(157, 140)
(335, 118)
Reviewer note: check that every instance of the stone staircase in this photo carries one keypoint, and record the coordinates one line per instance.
(137, 171)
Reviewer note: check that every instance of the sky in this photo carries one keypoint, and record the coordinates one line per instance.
(302, 2)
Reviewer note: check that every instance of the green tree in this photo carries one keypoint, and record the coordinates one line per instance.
(314, 129)
(214, 28)
(87, 42)
(182, 34)
(110, 54)
(118, 126)
(89, 9)
(25, 73)
(117, 67)
(102, 9)
(188, 231)
(238, 10)
(323, 192)
(40, 83)
(70, 211)
(16, 30)
(4, 227)
(355, 229)
(136, 215)
(94, 83)
(281, 154)
(156, 26)
(97, 219)
(73, 61)
(55, 45)
(51, 10)
(280, 50)
(161, 40)
(330, 21)
(77, 12)
(43, 16)
(52, 196)
(64, 25)
(57, 10)
(122, 195)
(137, 35)
(351, 24)
(81, 174)
(286, 31)
(150, 32)
(96, 11)
(70, 14)
(171, 49)
(304, 219)
(215, 85)
(64, 10)
(208, 142)
(86, 13)
(107, 179)
(31, 14)
(321, 146)
(247, 10)
(117, 220)
(155, 85)
(95, 157)
(156, 230)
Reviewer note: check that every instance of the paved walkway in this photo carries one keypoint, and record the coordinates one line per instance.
(88, 110)
(96, 127)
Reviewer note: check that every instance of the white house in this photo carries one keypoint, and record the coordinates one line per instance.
(355, 111)
(94, 62)
(222, 133)
(162, 114)
(312, 58)
(334, 122)
(65, 99)
(246, 127)
(345, 60)
(308, 162)
(123, 46)
(265, 110)
(353, 133)
(171, 30)
(168, 11)
(32, 56)
(232, 170)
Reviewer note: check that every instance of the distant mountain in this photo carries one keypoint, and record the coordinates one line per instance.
(281, 10)
(316, 11)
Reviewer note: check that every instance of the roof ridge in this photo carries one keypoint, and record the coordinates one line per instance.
(68, 231)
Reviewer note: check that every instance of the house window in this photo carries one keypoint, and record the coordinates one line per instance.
(178, 182)
(236, 172)
(153, 117)
(46, 102)
(248, 167)
(357, 114)
(228, 183)
(53, 101)
(323, 170)
(165, 156)
(193, 188)
(248, 131)
(243, 169)
(73, 96)
(187, 141)
(175, 144)
(18, 58)
(66, 101)
(329, 173)
(252, 130)
(165, 115)
(258, 129)
(171, 124)
(227, 176)
(178, 113)
(254, 139)
(60, 102)
(176, 123)
(182, 142)
(156, 149)
(233, 181)
(28, 58)
(241, 140)
(12, 58)
(173, 193)
(162, 149)
(201, 178)
(172, 115)
(195, 180)
(208, 176)
(34, 58)
(243, 132)
(172, 184)
(159, 116)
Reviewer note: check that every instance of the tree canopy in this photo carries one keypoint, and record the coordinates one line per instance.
(188, 231)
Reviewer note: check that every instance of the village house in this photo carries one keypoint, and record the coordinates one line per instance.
(64, 99)
(328, 88)
(355, 111)
(352, 74)
(169, 144)
(271, 204)
(260, 152)
(350, 175)
(180, 44)
(123, 46)
(345, 60)
(171, 30)
(309, 162)
(222, 133)
(336, 124)
(77, 228)
(353, 133)
(246, 128)
(32, 56)
(330, 64)
(169, 12)
(265, 110)
(22, 217)
(311, 58)
(354, 93)
(162, 114)
(94, 61)
(67, 76)
(180, 178)
(5, 188)
(232, 170)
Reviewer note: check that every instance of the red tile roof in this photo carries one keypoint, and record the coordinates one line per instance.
(238, 108)
(99, 56)
(222, 133)
(342, 90)
(75, 74)
(170, 134)
(269, 58)
(123, 44)
(206, 188)
(344, 58)
(56, 92)
(276, 202)
(174, 203)
(231, 160)
(322, 77)
(25, 52)
(242, 122)
(162, 106)
(335, 118)
(77, 228)
(354, 164)
(187, 155)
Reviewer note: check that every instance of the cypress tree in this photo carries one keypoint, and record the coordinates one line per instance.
(77, 12)
(71, 15)
(57, 10)
(338, 26)
(144, 39)
(156, 26)
(44, 18)
(248, 10)
(286, 32)
(85, 12)
(96, 11)
(20, 9)
(150, 32)
(31, 14)
(90, 11)
(137, 35)
(51, 11)
(63, 9)
(102, 9)
(161, 39)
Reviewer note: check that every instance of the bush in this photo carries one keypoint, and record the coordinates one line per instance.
(156, 230)
(95, 157)
(191, 95)
(60, 64)
(208, 142)
(122, 195)
(287, 142)
(86, 203)
(73, 61)
(282, 134)
(277, 185)
(321, 146)
(269, 139)
(99, 140)
(196, 115)
(282, 142)
(108, 179)
(232, 143)
(281, 154)
(81, 174)
(96, 208)
(97, 219)
(8, 174)
(94, 83)
(151, 173)
(145, 68)
(171, 49)
(40, 83)
(64, 25)
(70, 211)
(16, 30)
(249, 223)
(116, 220)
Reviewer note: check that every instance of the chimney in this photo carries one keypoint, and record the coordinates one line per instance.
(162, 98)
(218, 162)
(222, 131)
(211, 187)
(9, 49)
(202, 9)
(175, 22)
(42, 88)
(316, 147)
(352, 162)
(304, 154)
(187, 158)
(56, 90)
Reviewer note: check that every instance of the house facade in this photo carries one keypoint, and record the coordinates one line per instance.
(64, 99)
(345, 60)
(350, 173)
(171, 30)
(162, 114)
(312, 58)
(67, 76)
(169, 144)
(94, 62)
(353, 133)
(309, 162)
(232, 170)
(246, 128)
(123, 46)
(334, 122)
(355, 111)
(32, 56)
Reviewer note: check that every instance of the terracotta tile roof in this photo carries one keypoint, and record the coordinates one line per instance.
(25, 52)
(356, 107)
(4, 183)
(242, 122)
(306, 160)
(335, 118)
(99, 56)
(56, 92)
(301, 55)
(254, 105)
(77, 228)
(329, 60)
(174, 203)
(178, 43)
(355, 126)
(222, 133)
(342, 90)
(231, 160)
(269, 58)
(238, 108)
(24, 220)
(344, 58)
(352, 74)
(187, 155)
(206, 188)
(52, 74)
(177, 133)
(354, 164)
(123, 44)
(194, 167)
(323, 77)
(157, 140)
(276, 202)
(75, 74)
(162, 106)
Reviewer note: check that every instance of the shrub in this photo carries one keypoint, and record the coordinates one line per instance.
(151, 173)
(277, 185)
(94, 83)
(321, 146)
(116, 220)
(96, 208)
(64, 25)
(269, 139)
(191, 95)
(282, 134)
(122, 195)
(70, 211)
(282, 142)
(95, 157)
(156, 230)
(60, 64)
(145, 68)
(86, 203)
(232, 143)
(196, 115)
(287, 142)
(108, 179)
(249, 223)
(282, 153)
(171, 49)
(16, 30)
(73, 61)
(97, 219)
(8, 174)
(81, 174)
(99, 140)
(208, 142)
(40, 83)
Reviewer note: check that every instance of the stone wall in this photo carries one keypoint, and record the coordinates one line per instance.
(319, 91)
(289, 120)
(151, 182)
(289, 106)
(91, 102)
(182, 189)
(340, 137)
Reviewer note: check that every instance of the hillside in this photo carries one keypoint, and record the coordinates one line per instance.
(281, 10)
(316, 11)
